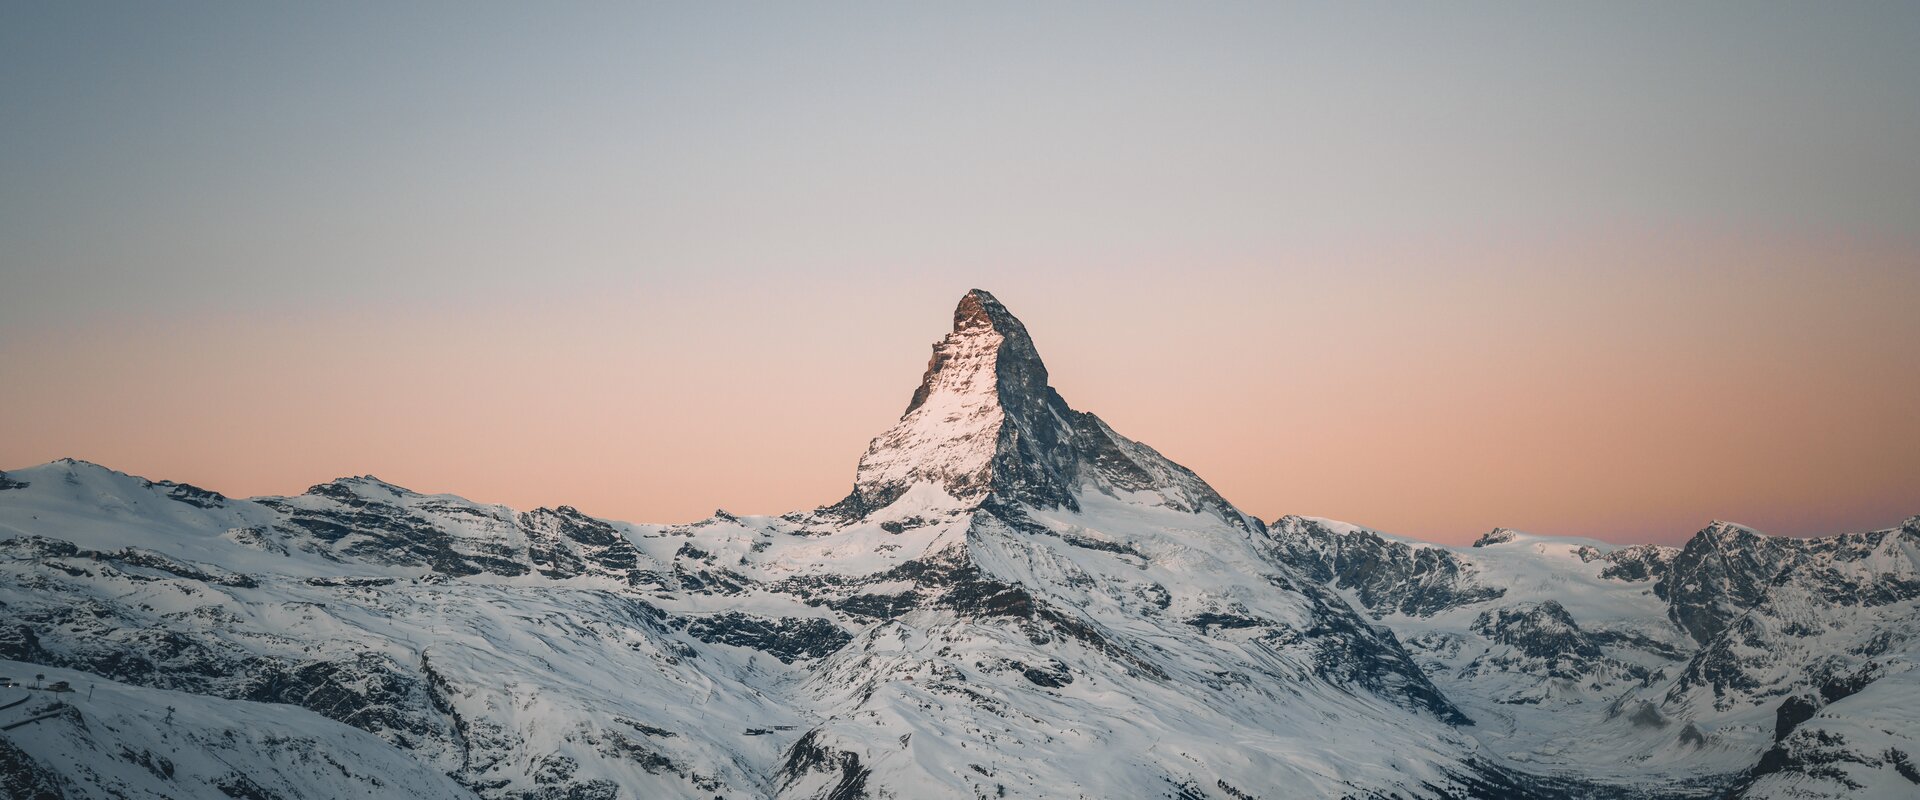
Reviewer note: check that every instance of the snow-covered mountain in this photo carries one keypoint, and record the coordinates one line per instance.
(1013, 601)
(1751, 665)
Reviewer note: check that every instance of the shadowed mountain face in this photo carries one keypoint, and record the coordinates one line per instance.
(1013, 601)
(984, 422)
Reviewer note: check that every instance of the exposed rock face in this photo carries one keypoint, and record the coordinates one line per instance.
(366, 518)
(1640, 562)
(1495, 536)
(1823, 619)
(1544, 633)
(1773, 664)
(985, 421)
(564, 543)
(191, 495)
(1727, 569)
(1722, 572)
(1385, 576)
(23, 777)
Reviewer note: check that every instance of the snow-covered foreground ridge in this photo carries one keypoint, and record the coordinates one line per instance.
(1012, 601)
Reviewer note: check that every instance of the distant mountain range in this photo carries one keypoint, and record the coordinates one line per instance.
(1013, 600)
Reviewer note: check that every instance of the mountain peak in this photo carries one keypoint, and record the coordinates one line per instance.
(951, 432)
(973, 306)
(1496, 536)
(979, 307)
(988, 349)
(358, 486)
(1721, 530)
(984, 421)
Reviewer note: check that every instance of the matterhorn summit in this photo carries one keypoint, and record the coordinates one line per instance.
(984, 422)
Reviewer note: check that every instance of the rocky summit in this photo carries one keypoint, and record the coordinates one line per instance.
(985, 423)
(1013, 600)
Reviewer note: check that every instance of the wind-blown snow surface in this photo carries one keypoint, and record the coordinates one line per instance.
(1014, 600)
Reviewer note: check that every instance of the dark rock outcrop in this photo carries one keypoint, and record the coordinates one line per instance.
(1385, 576)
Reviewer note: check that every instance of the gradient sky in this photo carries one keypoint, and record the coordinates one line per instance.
(1611, 270)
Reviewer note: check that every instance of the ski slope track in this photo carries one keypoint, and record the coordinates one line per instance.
(1013, 600)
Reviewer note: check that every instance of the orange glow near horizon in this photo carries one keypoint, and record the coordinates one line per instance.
(1630, 404)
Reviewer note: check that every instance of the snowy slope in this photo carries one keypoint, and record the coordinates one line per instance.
(109, 739)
